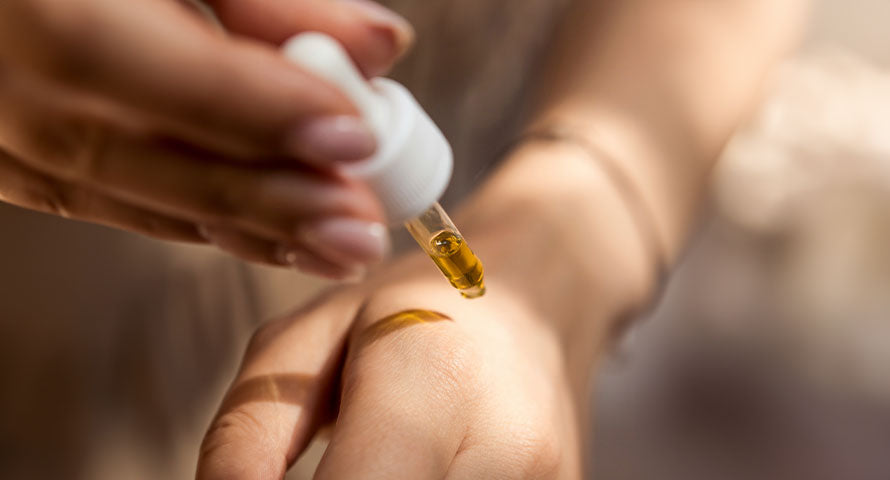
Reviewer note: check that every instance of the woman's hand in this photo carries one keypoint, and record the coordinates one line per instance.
(145, 116)
(457, 389)
(424, 384)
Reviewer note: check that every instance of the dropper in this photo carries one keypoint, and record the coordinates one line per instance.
(413, 163)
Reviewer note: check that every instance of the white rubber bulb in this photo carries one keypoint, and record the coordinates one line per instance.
(413, 162)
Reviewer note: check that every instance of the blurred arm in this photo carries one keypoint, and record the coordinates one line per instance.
(660, 85)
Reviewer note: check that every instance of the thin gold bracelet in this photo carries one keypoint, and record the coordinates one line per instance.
(631, 196)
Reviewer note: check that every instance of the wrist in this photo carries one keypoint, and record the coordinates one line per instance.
(552, 226)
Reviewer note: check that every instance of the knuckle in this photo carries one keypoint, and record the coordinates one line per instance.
(73, 147)
(48, 197)
(545, 462)
(224, 196)
(263, 335)
(269, 332)
(150, 224)
(538, 452)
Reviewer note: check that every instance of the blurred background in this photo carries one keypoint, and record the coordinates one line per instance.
(767, 357)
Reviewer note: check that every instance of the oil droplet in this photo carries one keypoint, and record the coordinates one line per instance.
(459, 264)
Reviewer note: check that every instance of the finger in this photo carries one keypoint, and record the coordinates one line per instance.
(228, 94)
(273, 203)
(403, 391)
(259, 250)
(183, 183)
(373, 35)
(280, 396)
(26, 188)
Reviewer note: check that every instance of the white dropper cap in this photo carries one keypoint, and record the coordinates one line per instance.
(413, 162)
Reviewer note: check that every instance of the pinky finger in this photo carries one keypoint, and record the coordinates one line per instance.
(27, 188)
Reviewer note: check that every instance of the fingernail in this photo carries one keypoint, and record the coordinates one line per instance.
(401, 32)
(323, 140)
(348, 241)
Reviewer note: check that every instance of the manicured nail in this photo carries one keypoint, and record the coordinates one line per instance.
(323, 140)
(348, 241)
(400, 32)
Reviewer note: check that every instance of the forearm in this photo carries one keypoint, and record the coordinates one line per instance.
(660, 85)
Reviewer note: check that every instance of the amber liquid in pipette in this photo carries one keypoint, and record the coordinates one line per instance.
(459, 264)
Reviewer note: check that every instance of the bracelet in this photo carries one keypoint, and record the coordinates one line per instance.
(641, 214)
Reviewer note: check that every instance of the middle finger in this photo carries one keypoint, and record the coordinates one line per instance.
(198, 186)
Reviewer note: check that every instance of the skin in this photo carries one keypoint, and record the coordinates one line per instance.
(198, 136)
(445, 388)
(499, 389)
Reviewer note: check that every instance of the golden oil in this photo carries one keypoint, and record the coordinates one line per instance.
(459, 264)
(436, 234)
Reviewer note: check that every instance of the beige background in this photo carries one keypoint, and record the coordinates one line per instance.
(114, 349)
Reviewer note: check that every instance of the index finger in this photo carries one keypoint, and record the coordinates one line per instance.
(373, 35)
(225, 93)
(281, 394)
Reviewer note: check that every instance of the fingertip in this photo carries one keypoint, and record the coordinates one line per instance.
(388, 37)
(373, 35)
(347, 240)
(323, 141)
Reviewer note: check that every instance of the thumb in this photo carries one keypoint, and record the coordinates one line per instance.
(373, 35)
(281, 395)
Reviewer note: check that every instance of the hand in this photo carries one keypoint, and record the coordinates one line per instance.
(424, 384)
(143, 115)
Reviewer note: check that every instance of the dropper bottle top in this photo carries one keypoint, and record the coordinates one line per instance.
(412, 165)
